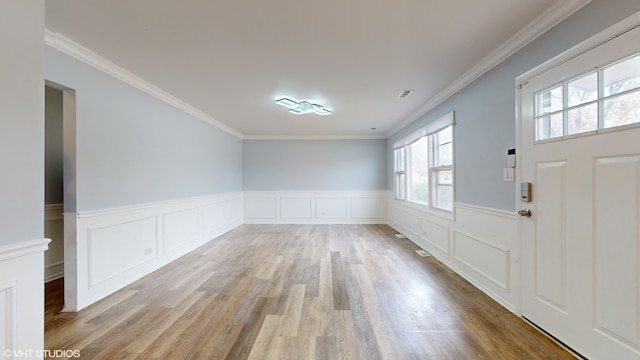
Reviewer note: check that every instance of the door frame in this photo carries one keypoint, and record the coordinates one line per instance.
(69, 190)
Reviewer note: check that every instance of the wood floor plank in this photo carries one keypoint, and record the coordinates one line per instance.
(266, 342)
(340, 295)
(297, 292)
(290, 321)
(326, 348)
(380, 322)
(173, 314)
(249, 333)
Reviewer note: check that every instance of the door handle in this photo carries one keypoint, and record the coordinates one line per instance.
(525, 213)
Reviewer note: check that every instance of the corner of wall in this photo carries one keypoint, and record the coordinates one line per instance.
(21, 295)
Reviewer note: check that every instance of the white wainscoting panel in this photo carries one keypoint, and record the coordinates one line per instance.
(296, 207)
(436, 234)
(405, 219)
(367, 207)
(180, 227)
(332, 207)
(22, 295)
(261, 207)
(218, 214)
(114, 247)
(480, 244)
(117, 248)
(315, 207)
(54, 230)
(486, 259)
(8, 308)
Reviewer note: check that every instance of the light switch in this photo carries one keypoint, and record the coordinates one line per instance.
(508, 174)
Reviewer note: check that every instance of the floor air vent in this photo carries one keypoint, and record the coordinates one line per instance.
(422, 253)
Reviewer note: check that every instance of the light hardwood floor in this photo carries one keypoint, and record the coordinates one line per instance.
(297, 292)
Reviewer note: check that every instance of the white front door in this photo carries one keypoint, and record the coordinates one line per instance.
(581, 244)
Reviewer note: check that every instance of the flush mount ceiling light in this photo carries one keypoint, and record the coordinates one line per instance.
(303, 107)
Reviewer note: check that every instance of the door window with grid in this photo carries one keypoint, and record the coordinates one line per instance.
(603, 98)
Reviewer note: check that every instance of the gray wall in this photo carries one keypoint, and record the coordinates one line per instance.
(21, 121)
(485, 109)
(314, 165)
(132, 148)
(53, 152)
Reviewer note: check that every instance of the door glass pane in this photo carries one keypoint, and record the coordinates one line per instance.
(549, 101)
(549, 126)
(583, 119)
(419, 172)
(582, 90)
(622, 76)
(622, 110)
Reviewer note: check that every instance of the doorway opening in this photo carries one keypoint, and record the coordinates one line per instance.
(60, 188)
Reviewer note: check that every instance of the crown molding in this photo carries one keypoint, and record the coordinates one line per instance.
(315, 137)
(79, 52)
(541, 24)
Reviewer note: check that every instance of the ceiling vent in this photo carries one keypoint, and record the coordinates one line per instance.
(405, 93)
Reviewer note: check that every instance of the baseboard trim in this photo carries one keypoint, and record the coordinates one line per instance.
(54, 271)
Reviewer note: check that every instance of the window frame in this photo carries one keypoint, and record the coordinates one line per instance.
(402, 176)
(599, 102)
(400, 184)
(435, 168)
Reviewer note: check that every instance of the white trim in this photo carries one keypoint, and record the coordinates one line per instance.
(23, 248)
(72, 48)
(53, 267)
(489, 211)
(9, 291)
(547, 20)
(591, 43)
(320, 207)
(315, 137)
(429, 129)
(21, 286)
(151, 205)
(506, 251)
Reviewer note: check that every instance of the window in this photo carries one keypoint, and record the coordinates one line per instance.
(442, 169)
(400, 173)
(424, 165)
(419, 175)
(603, 98)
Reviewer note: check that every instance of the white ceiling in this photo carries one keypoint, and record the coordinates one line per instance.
(232, 59)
